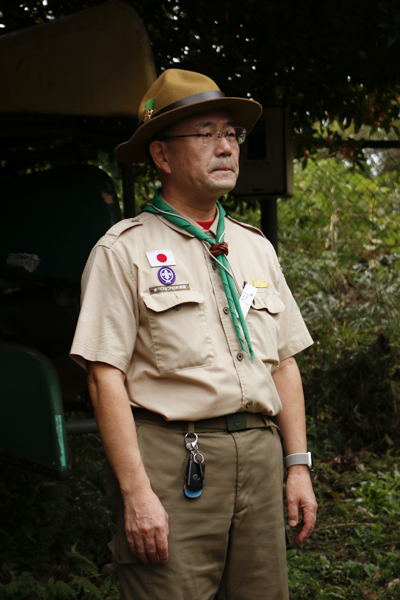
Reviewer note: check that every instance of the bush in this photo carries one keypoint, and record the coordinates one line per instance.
(340, 251)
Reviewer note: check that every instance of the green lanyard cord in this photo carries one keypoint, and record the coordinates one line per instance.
(160, 207)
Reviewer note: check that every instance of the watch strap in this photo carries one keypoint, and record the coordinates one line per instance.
(299, 459)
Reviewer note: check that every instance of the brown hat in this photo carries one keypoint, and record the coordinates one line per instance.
(175, 95)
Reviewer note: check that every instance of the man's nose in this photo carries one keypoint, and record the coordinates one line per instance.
(223, 147)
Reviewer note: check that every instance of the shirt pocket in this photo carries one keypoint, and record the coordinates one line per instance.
(263, 322)
(179, 330)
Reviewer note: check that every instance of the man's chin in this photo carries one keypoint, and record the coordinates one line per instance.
(225, 185)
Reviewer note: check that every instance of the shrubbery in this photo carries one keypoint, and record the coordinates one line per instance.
(352, 372)
(340, 250)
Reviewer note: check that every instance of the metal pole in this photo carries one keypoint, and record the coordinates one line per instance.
(269, 220)
(79, 426)
(128, 185)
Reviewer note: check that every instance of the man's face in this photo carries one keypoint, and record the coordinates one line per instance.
(203, 170)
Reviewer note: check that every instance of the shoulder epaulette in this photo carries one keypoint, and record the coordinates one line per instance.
(122, 226)
(111, 236)
(246, 226)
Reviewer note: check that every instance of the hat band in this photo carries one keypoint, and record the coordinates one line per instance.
(191, 100)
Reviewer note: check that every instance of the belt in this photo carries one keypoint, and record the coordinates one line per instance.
(234, 422)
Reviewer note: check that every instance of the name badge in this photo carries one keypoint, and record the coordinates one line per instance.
(247, 298)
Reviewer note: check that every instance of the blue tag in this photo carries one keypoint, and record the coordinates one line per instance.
(191, 493)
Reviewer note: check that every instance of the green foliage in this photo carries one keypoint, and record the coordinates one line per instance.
(25, 586)
(85, 588)
(340, 250)
(54, 534)
(243, 209)
(352, 371)
(354, 552)
(81, 563)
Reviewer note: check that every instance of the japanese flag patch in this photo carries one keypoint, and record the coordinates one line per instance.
(161, 258)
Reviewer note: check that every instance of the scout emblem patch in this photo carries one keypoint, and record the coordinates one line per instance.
(260, 283)
(166, 276)
(161, 258)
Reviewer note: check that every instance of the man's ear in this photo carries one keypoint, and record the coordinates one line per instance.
(158, 153)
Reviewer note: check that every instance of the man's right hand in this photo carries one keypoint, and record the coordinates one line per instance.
(146, 522)
(146, 526)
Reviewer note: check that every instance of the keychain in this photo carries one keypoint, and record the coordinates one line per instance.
(194, 479)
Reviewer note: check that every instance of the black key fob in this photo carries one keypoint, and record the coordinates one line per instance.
(194, 478)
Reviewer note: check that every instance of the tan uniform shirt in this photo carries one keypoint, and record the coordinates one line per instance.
(176, 343)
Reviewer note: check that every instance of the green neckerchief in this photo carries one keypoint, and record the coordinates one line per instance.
(160, 207)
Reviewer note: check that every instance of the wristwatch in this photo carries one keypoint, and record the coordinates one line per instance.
(299, 459)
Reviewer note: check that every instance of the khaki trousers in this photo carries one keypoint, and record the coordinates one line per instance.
(228, 544)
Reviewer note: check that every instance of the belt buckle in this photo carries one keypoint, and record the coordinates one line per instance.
(236, 422)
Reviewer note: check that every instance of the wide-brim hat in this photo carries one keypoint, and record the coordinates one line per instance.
(175, 95)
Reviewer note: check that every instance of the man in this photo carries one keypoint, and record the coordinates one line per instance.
(188, 324)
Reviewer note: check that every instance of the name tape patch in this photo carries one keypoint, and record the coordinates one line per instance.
(169, 288)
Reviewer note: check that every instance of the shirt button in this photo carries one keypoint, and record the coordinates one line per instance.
(249, 404)
(214, 266)
(239, 356)
(226, 310)
(177, 307)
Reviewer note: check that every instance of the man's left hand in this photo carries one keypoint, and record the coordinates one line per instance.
(300, 495)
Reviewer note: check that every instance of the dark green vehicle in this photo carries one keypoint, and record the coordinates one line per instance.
(70, 88)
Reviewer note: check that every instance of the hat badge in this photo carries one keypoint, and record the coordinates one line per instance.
(148, 110)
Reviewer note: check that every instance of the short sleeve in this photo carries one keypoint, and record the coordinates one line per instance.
(107, 324)
(293, 333)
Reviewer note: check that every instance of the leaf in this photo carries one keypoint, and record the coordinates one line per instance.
(396, 130)
(84, 564)
(83, 585)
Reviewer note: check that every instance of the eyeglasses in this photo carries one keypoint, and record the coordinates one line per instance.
(234, 135)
